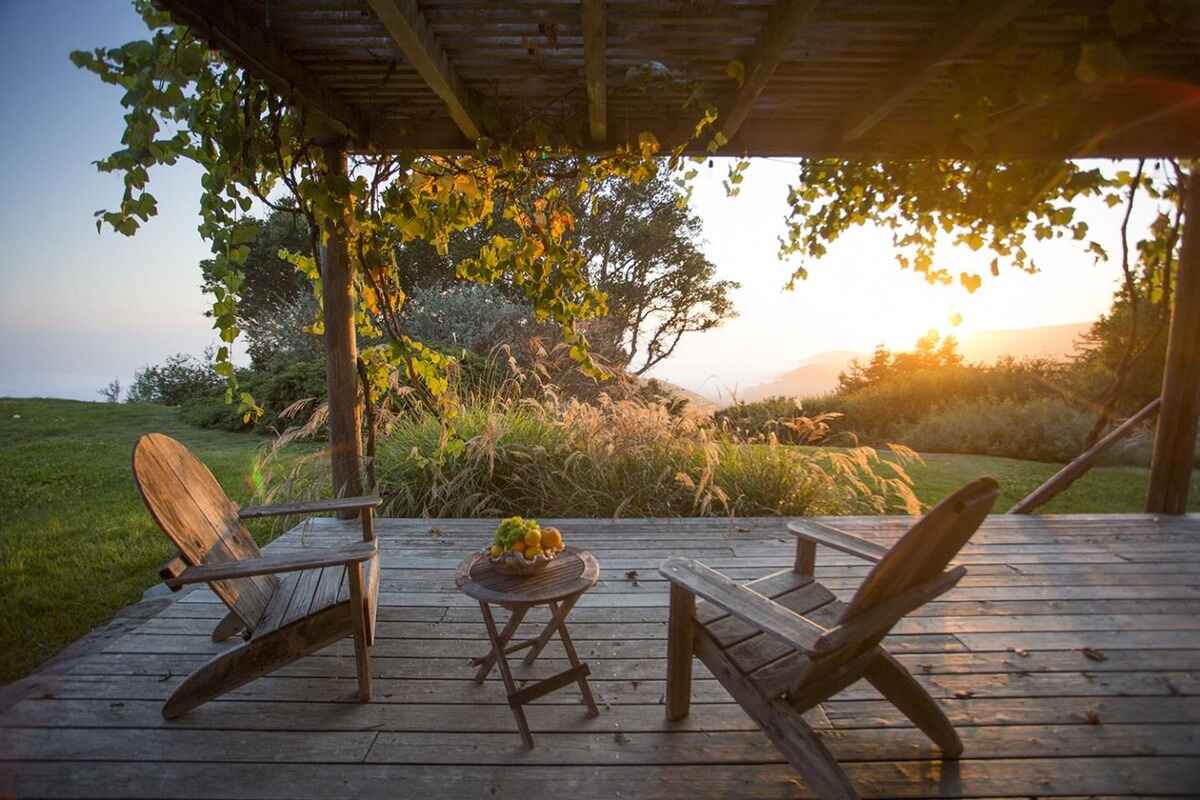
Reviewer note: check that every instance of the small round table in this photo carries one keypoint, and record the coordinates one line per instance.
(559, 585)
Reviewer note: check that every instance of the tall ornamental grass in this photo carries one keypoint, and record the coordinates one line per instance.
(508, 453)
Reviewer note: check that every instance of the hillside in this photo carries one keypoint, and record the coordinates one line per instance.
(1046, 341)
(819, 374)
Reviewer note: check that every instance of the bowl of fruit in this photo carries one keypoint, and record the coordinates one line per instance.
(523, 547)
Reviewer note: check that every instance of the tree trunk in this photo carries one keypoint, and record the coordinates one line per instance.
(341, 349)
(1175, 436)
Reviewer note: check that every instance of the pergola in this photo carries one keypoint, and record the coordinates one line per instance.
(862, 80)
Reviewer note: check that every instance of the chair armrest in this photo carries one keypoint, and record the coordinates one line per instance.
(882, 617)
(310, 507)
(831, 537)
(269, 565)
(743, 603)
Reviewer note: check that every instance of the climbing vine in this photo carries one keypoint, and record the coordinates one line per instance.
(184, 101)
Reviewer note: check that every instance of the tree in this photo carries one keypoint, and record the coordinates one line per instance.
(112, 392)
(642, 245)
(1125, 350)
(276, 303)
(184, 101)
(932, 352)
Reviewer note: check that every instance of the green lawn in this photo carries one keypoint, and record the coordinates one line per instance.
(76, 543)
(1103, 490)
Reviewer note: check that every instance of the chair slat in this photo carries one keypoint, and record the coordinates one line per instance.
(302, 598)
(191, 508)
(928, 546)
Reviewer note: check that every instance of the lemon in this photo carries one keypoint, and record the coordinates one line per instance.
(496, 550)
(532, 552)
(533, 538)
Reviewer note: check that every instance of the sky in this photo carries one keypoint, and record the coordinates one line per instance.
(78, 309)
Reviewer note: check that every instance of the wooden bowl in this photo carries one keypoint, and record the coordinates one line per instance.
(512, 563)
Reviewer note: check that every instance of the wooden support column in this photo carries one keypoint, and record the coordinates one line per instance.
(341, 351)
(1175, 436)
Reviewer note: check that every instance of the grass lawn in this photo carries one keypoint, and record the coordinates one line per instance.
(1103, 490)
(76, 543)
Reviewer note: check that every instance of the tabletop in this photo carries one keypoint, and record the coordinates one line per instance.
(571, 572)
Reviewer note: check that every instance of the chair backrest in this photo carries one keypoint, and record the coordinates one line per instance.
(928, 547)
(188, 504)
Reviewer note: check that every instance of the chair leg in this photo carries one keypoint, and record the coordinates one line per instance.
(899, 686)
(805, 751)
(257, 657)
(680, 649)
(362, 655)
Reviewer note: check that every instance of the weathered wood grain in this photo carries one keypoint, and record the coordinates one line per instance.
(1000, 653)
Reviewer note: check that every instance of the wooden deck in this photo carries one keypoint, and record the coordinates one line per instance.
(1069, 657)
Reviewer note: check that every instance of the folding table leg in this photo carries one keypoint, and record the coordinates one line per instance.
(558, 615)
(584, 687)
(509, 684)
(487, 662)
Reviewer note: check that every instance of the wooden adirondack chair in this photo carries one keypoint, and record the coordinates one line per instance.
(782, 644)
(285, 605)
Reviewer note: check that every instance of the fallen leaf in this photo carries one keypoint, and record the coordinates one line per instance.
(620, 738)
(1021, 651)
(1093, 718)
(1092, 654)
(632, 576)
(741, 529)
(963, 694)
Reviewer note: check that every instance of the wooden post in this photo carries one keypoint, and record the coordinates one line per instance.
(1175, 436)
(341, 350)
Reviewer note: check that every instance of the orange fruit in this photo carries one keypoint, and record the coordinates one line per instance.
(519, 546)
(552, 539)
(533, 538)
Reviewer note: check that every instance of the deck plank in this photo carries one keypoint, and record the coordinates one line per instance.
(1003, 653)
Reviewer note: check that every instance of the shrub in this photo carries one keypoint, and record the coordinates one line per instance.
(178, 379)
(881, 411)
(1038, 430)
(275, 389)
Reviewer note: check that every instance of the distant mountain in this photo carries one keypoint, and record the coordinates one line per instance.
(1046, 341)
(815, 375)
(819, 374)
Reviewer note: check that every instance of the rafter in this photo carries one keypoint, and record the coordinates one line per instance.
(783, 24)
(963, 32)
(257, 52)
(595, 42)
(412, 34)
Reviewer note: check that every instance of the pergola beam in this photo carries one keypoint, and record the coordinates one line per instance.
(254, 50)
(783, 24)
(415, 39)
(595, 43)
(962, 33)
